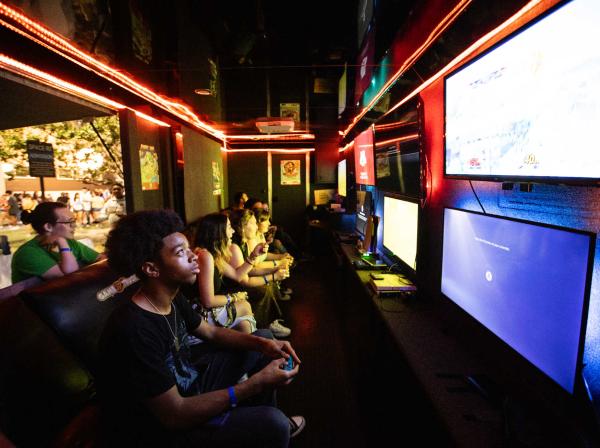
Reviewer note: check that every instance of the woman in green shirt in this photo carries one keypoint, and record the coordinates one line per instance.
(53, 252)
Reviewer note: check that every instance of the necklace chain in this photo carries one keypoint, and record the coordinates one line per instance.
(175, 338)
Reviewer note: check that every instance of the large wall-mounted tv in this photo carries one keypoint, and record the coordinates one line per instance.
(364, 205)
(528, 109)
(400, 230)
(526, 282)
(398, 169)
(364, 167)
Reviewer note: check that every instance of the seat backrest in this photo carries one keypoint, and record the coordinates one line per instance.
(16, 288)
(69, 306)
(42, 384)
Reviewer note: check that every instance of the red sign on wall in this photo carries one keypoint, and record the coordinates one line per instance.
(363, 158)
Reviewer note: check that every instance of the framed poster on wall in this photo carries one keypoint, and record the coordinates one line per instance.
(290, 172)
(149, 168)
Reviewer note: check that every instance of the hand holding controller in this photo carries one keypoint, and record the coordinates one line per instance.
(289, 364)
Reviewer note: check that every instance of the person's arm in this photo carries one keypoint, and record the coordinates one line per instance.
(177, 412)
(67, 262)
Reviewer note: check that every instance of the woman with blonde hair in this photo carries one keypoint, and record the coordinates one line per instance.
(211, 237)
(266, 269)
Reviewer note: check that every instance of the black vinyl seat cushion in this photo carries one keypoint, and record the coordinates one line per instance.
(69, 306)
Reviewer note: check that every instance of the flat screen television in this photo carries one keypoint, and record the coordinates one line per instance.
(397, 168)
(364, 167)
(528, 283)
(528, 108)
(342, 177)
(400, 230)
(364, 204)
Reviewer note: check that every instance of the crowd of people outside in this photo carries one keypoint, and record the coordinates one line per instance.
(89, 206)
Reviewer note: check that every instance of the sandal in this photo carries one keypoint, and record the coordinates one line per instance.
(297, 424)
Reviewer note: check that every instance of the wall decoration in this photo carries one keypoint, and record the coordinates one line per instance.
(291, 110)
(149, 168)
(216, 175)
(290, 172)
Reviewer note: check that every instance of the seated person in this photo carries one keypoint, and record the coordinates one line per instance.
(153, 392)
(239, 200)
(282, 241)
(211, 239)
(264, 293)
(266, 232)
(53, 252)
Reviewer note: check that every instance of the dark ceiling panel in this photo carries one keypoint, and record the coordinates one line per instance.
(23, 106)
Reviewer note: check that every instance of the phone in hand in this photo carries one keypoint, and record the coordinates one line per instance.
(270, 233)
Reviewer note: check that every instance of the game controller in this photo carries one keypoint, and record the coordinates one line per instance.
(289, 364)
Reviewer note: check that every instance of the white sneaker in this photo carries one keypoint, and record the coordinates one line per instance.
(279, 330)
(285, 297)
(287, 291)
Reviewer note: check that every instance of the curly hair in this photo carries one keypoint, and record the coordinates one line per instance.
(211, 234)
(41, 215)
(138, 237)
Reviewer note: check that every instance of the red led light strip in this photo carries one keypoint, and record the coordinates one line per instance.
(435, 33)
(394, 140)
(29, 72)
(471, 49)
(272, 137)
(43, 36)
(277, 150)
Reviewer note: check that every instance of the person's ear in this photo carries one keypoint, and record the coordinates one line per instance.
(48, 228)
(150, 269)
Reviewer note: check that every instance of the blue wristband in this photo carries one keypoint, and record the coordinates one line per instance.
(228, 297)
(232, 398)
(65, 249)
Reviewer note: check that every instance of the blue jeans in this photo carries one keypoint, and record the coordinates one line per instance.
(255, 422)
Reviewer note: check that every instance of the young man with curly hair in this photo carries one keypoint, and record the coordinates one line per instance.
(155, 390)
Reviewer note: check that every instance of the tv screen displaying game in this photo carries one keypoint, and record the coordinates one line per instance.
(400, 229)
(528, 283)
(528, 108)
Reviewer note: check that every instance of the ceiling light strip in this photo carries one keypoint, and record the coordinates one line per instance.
(396, 140)
(471, 49)
(435, 33)
(277, 150)
(60, 45)
(272, 137)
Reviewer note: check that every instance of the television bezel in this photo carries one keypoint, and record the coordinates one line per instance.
(586, 299)
(389, 254)
(400, 153)
(594, 181)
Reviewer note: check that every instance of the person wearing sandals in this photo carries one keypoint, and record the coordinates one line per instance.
(150, 391)
(211, 238)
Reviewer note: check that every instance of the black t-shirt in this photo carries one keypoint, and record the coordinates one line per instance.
(139, 362)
